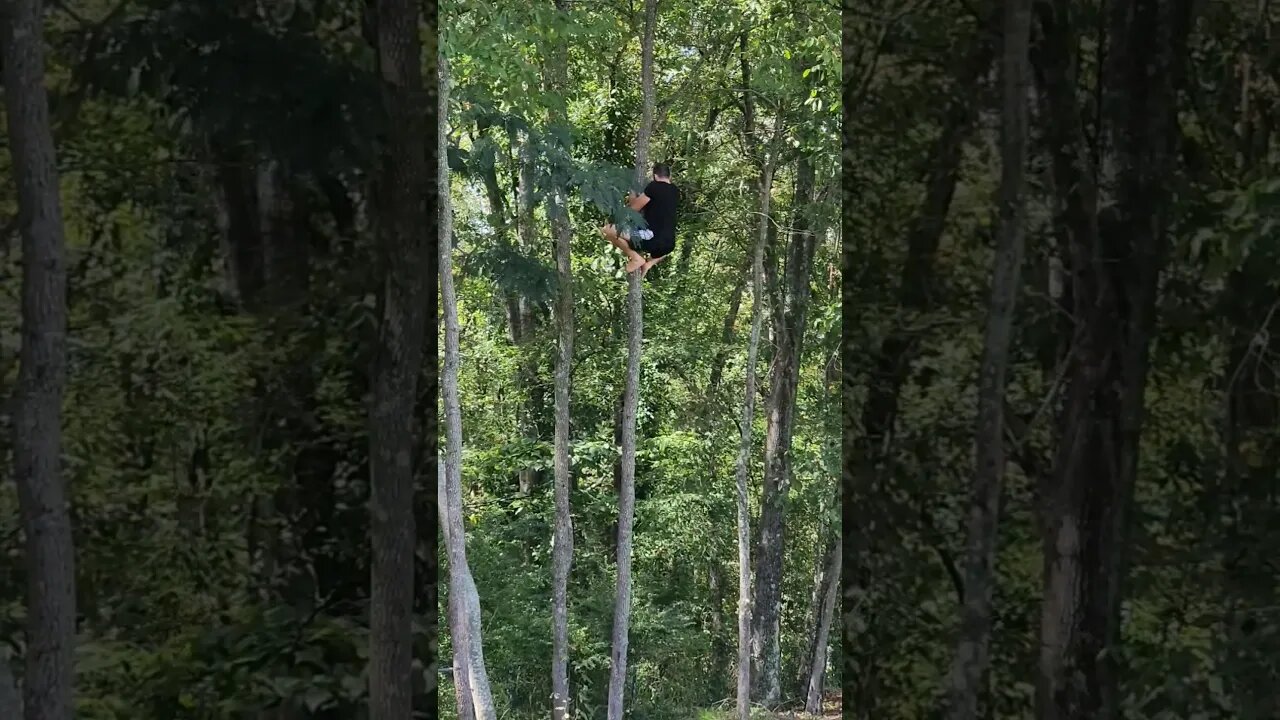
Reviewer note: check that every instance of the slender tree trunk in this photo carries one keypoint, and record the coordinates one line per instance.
(562, 548)
(814, 615)
(743, 469)
(631, 399)
(822, 629)
(1116, 256)
(48, 685)
(969, 666)
(789, 330)
(520, 318)
(533, 407)
(405, 244)
(459, 637)
(562, 542)
(867, 447)
(726, 336)
(465, 625)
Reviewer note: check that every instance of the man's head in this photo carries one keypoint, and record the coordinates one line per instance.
(661, 171)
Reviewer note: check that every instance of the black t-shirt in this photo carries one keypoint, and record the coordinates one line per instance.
(660, 213)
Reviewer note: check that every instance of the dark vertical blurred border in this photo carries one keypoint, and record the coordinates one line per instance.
(428, 563)
(848, 426)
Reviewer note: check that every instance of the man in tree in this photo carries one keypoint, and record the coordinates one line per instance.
(658, 205)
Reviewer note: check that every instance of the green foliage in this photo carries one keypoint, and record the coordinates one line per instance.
(215, 452)
(683, 629)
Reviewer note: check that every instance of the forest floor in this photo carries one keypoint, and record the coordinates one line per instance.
(831, 708)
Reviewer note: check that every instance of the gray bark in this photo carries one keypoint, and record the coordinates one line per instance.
(458, 628)
(48, 685)
(830, 589)
(789, 330)
(562, 541)
(526, 320)
(562, 548)
(405, 246)
(465, 626)
(972, 657)
(631, 398)
(743, 469)
(461, 665)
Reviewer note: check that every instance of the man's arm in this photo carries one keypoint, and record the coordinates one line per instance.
(635, 202)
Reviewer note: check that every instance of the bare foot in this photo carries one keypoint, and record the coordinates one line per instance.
(634, 264)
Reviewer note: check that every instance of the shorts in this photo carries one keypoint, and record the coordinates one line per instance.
(643, 241)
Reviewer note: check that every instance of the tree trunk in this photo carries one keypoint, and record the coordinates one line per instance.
(459, 634)
(465, 625)
(48, 685)
(533, 407)
(830, 587)
(867, 445)
(1116, 258)
(631, 399)
(562, 542)
(562, 547)
(971, 660)
(459, 637)
(405, 245)
(726, 337)
(784, 375)
(743, 469)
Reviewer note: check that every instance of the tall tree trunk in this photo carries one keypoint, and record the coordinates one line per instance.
(48, 685)
(868, 440)
(631, 398)
(1116, 258)
(743, 469)
(784, 375)
(465, 626)
(562, 548)
(459, 634)
(817, 670)
(532, 407)
(520, 318)
(971, 660)
(405, 246)
(726, 337)
(562, 542)
(828, 536)
(459, 637)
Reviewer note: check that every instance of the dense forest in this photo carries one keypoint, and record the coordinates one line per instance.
(1059, 385)
(252, 254)
(218, 242)
(609, 436)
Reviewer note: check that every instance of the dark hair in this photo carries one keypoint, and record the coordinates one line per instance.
(662, 170)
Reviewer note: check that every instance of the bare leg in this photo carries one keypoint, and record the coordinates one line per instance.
(644, 270)
(634, 259)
